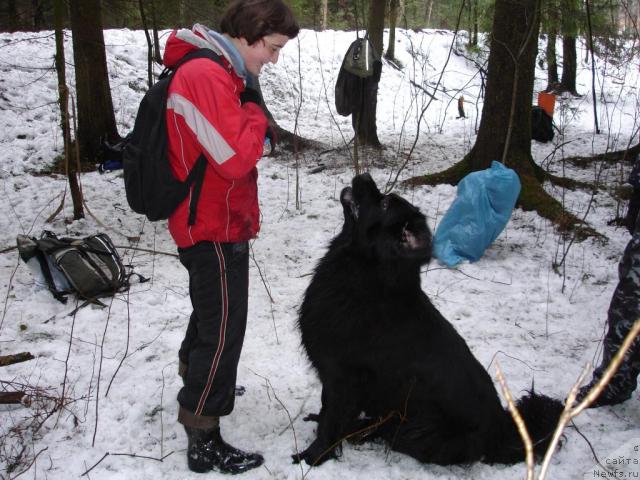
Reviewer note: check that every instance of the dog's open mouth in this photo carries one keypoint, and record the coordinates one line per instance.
(348, 200)
(412, 241)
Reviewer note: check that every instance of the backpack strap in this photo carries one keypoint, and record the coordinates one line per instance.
(48, 277)
(199, 53)
(196, 178)
(196, 175)
(46, 246)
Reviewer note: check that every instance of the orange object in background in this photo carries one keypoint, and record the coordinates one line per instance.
(547, 101)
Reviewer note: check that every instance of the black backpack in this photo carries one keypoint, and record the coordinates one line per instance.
(541, 125)
(151, 187)
(360, 64)
(89, 267)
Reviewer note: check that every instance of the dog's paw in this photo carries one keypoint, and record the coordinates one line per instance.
(315, 454)
(312, 417)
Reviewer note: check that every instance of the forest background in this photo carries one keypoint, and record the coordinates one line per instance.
(610, 18)
(533, 279)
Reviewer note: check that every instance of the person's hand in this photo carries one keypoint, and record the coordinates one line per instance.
(272, 135)
(250, 95)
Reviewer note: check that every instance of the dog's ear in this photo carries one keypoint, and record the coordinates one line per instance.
(349, 205)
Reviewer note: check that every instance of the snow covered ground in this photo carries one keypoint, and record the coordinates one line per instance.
(117, 365)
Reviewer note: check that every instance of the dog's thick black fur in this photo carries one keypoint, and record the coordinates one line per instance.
(386, 357)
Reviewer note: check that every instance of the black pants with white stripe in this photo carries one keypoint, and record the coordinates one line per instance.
(218, 287)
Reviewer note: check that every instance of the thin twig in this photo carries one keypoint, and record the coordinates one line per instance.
(389, 188)
(162, 416)
(522, 428)
(131, 238)
(126, 348)
(6, 297)
(132, 455)
(86, 472)
(562, 423)
(593, 451)
(66, 360)
(326, 98)
(8, 249)
(104, 336)
(33, 461)
(293, 430)
(148, 250)
(266, 287)
(570, 411)
(146, 457)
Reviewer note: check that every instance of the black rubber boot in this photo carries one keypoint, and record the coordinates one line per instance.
(208, 451)
(606, 398)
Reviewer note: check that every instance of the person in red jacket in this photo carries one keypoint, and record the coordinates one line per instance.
(213, 110)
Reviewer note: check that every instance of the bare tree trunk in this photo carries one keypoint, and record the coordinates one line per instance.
(593, 68)
(157, 56)
(12, 16)
(552, 22)
(474, 35)
(427, 12)
(325, 14)
(364, 120)
(143, 18)
(552, 63)
(96, 120)
(182, 13)
(569, 65)
(507, 106)
(63, 91)
(569, 13)
(38, 15)
(393, 22)
(63, 100)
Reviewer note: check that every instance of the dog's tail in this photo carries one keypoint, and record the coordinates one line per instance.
(541, 415)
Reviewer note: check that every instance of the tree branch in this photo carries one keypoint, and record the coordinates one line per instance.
(11, 398)
(15, 358)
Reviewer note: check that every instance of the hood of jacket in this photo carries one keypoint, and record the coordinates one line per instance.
(183, 41)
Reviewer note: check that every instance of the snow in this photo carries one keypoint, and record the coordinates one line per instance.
(117, 366)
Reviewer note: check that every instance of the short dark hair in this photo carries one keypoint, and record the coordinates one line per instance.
(253, 19)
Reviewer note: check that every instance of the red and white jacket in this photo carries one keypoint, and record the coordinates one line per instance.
(204, 115)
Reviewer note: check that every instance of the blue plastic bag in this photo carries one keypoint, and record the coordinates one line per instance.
(482, 208)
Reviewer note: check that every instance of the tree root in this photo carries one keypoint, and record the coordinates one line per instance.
(565, 182)
(627, 154)
(292, 142)
(534, 198)
(450, 176)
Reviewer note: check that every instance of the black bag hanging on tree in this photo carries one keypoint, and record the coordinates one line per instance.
(360, 62)
(360, 58)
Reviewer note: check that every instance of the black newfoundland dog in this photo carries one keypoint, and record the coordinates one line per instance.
(391, 365)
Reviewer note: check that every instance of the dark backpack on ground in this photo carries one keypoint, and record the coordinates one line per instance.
(541, 125)
(112, 155)
(89, 267)
(151, 187)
